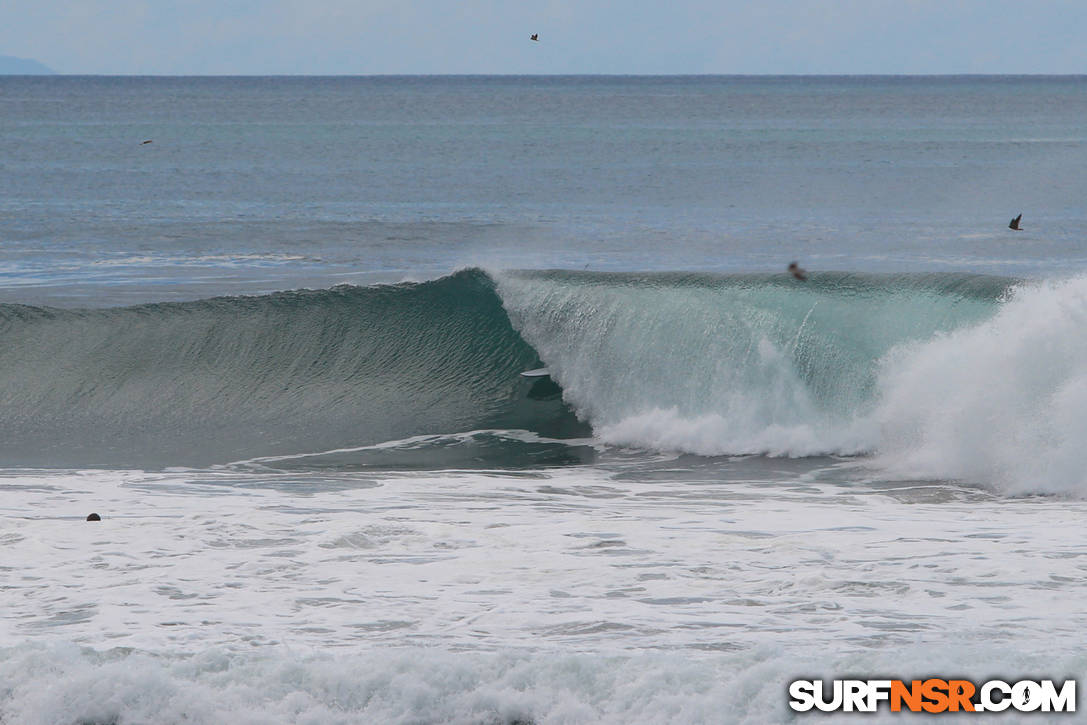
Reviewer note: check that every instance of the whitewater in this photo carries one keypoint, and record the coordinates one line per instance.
(931, 376)
(780, 476)
(279, 352)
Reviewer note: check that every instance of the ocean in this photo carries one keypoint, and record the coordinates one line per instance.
(272, 331)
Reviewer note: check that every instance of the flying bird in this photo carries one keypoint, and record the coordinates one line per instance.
(796, 271)
(1014, 223)
(534, 36)
(144, 143)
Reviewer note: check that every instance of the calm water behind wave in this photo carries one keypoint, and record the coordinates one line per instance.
(255, 184)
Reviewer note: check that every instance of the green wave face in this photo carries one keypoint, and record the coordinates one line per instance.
(235, 378)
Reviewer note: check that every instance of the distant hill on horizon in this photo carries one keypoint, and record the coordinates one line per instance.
(10, 65)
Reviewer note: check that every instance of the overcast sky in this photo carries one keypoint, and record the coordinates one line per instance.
(576, 36)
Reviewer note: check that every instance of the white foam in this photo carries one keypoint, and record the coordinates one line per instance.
(576, 595)
(46, 685)
(717, 435)
(1001, 403)
(562, 559)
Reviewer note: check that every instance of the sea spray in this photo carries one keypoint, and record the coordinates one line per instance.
(1002, 402)
(735, 364)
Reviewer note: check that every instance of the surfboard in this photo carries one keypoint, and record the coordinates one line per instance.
(537, 373)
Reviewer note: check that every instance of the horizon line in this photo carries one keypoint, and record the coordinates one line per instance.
(56, 74)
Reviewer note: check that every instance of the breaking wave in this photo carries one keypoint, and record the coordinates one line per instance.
(947, 376)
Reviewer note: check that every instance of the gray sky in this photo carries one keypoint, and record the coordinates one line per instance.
(576, 36)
